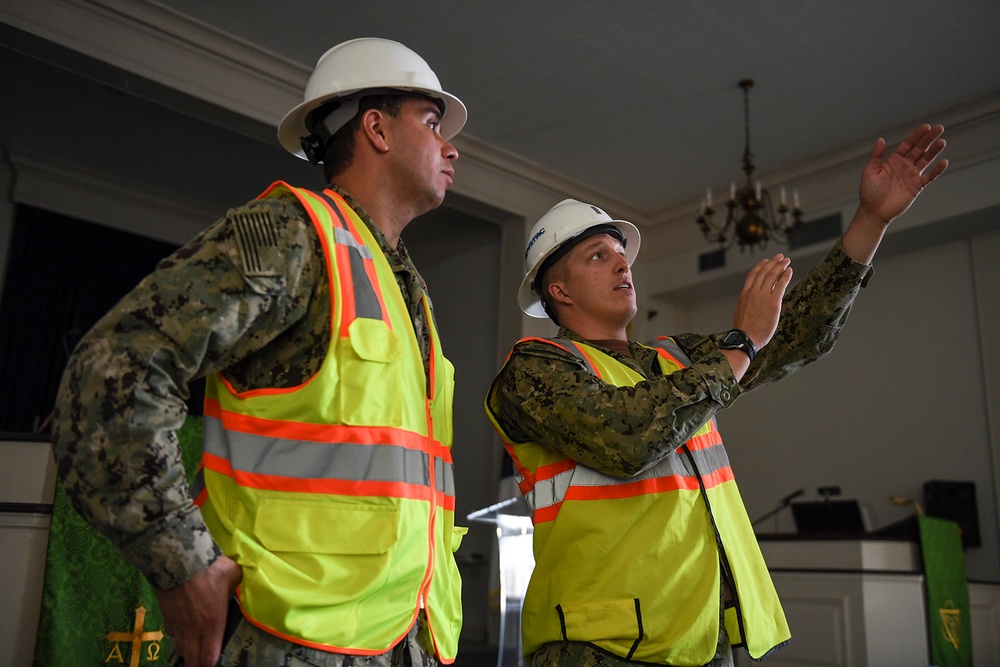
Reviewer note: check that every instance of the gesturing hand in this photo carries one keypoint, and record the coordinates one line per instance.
(759, 304)
(889, 186)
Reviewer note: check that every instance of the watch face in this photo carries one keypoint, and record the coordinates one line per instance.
(731, 338)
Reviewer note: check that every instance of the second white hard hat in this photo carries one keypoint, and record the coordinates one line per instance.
(564, 222)
(363, 64)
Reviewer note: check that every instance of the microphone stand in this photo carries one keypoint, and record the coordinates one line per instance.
(782, 504)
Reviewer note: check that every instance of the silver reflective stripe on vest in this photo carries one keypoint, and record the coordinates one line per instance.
(366, 302)
(548, 492)
(344, 237)
(672, 349)
(696, 463)
(270, 456)
(571, 347)
(444, 475)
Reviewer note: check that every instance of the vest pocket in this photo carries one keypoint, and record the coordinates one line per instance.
(601, 620)
(331, 528)
(371, 375)
(326, 549)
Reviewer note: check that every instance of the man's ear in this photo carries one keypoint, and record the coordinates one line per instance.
(557, 292)
(373, 125)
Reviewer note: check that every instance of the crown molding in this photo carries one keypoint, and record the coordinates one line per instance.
(183, 54)
(157, 43)
(75, 191)
(176, 51)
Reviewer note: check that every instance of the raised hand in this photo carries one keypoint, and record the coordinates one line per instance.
(759, 305)
(889, 186)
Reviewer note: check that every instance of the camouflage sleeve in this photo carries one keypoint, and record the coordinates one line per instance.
(813, 315)
(227, 293)
(546, 395)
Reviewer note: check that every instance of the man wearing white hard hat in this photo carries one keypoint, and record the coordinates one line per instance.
(320, 527)
(643, 551)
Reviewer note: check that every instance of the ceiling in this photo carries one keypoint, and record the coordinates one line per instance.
(637, 101)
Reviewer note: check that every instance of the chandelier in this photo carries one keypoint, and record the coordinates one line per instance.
(752, 219)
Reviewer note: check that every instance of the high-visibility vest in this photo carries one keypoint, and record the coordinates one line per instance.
(336, 497)
(632, 565)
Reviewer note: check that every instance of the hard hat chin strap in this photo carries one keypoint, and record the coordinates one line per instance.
(328, 118)
(324, 123)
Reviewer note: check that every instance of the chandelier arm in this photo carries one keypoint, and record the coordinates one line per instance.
(751, 218)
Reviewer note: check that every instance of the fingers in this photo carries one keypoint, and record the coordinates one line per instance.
(769, 274)
(781, 284)
(923, 146)
(936, 171)
(878, 152)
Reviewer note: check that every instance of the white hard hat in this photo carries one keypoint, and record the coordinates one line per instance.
(360, 65)
(565, 222)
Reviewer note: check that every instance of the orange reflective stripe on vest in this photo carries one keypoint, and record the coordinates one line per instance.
(337, 496)
(359, 298)
(706, 463)
(634, 565)
(335, 459)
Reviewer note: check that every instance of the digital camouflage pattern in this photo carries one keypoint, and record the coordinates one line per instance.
(248, 297)
(251, 646)
(546, 395)
(581, 654)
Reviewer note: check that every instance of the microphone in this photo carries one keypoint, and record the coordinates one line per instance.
(791, 496)
(782, 504)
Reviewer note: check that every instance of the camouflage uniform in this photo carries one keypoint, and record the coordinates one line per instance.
(250, 297)
(547, 395)
(251, 646)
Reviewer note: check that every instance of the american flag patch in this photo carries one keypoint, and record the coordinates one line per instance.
(257, 243)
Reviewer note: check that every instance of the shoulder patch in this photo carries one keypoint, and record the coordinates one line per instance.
(257, 242)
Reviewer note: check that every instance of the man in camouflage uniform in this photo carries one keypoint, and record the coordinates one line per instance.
(547, 404)
(249, 296)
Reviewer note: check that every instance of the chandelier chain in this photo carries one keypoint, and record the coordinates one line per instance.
(751, 218)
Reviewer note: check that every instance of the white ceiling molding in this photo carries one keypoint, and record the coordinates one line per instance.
(157, 43)
(152, 41)
(76, 192)
(173, 50)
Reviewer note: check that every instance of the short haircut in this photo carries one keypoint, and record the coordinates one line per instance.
(340, 149)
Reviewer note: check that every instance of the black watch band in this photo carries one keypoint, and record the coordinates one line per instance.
(736, 339)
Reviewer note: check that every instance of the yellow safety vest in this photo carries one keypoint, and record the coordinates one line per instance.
(632, 565)
(336, 497)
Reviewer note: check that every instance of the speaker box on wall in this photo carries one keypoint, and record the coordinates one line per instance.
(955, 501)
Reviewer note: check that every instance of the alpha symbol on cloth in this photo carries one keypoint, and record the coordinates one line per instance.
(136, 638)
(951, 622)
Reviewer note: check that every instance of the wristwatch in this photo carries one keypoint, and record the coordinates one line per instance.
(735, 339)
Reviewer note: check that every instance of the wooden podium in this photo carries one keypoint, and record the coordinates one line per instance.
(860, 600)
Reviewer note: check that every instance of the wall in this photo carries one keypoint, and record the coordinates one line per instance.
(901, 400)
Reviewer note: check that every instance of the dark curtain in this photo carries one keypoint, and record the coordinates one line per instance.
(63, 274)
